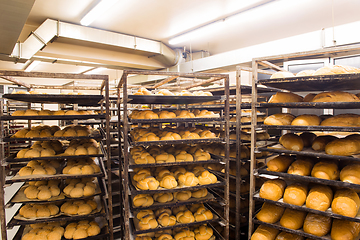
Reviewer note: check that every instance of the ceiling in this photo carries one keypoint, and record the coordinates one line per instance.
(160, 20)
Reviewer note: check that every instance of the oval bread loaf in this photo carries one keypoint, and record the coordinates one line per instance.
(273, 189)
(346, 202)
(279, 119)
(319, 197)
(292, 142)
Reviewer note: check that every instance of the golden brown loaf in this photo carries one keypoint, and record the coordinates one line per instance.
(279, 119)
(264, 233)
(283, 97)
(270, 213)
(292, 142)
(272, 189)
(346, 202)
(306, 120)
(351, 173)
(320, 142)
(336, 96)
(295, 194)
(342, 120)
(288, 236)
(325, 170)
(319, 197)
(292, 219)
(344, 230)
(301, 167)
(350, 145)
(336, 69)
(317, 225)
(279, 164)
(309, 97)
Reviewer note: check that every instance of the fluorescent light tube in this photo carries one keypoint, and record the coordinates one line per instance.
(96, 12)
(32, 65)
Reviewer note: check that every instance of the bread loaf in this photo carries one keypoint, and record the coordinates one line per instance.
(279, 119)
(336, 96)
(342, 120)
(309, 97)
(308, 138)
(272, 189)
(270, 213)
(288, 236)
(346, 202)
(306, 120)
(344, 230)
(283, 97)
(336, 69)
(292, 219)
(292, 142)
(304, 73)
(320, 142)
(325, 170)
(282, 74)
(351, 173)
(264, 233)
(295, 194)
(279, 163)
(317, 225)
(347, 146)
(319, 198)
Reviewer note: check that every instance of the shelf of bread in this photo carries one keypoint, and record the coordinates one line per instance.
(58, 191)
(147, 221)
(83, 100)
(169, 199)
(57, 212)
(161, 99)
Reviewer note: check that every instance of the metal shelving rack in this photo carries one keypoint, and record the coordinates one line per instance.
(342, 82)
(124, 129)
(51, 98)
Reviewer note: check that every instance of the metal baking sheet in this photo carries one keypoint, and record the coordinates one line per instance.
(135, 191)
(278, 148)
(336, 82)
(159, 99)
(83, 100)
(54, 117)
(172, 120)
(298, 178)
(297, 232)
(137, 231)
(93, 135)
(311, 128)
(327, 213)
(319, 105)
(132, 164)
(182, 141)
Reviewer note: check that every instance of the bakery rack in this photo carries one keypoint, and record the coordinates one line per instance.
(126, 101)
(300, 85)
(8, 162)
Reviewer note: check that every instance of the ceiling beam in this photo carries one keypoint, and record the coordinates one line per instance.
(16, 81)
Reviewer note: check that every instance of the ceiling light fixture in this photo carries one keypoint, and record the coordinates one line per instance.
(32, 65)
(96, 12)
(212, 27)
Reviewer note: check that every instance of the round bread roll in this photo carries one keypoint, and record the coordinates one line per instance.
(279, 119)
(346, 202)
(317, 225)
(306, 120)
(143, 200)
(283, 97)
(188, 179)
(206, 178)
(319, 198)
(80, 233)
(264, 233)
(295, 194)
(203, 232)
(203, 214)
(292, 219)
(325, 170)
(320, 142)
(199, 193)
(344, 230)
(301, 167)
(272, 189)
(185, 217)
(292, 142)
(148, 222)
(279, 163)
(270, 213)
(166, 220)
(282, 74)
(182, 196)
(163, 197)
(351, 173)
(148, 183)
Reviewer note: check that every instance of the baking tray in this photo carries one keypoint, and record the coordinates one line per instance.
(135, 221)
(181, 141)
(320, 105)
(83, 100)
(310, 179)
(159, 99)
(132, 164)
(336, 82)
(212, 196)
(297, 232)
(303, 208)
(93, 135)
(135, 191)
(278, 148)
(54, 117)
(311, 128)
(172, 120)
